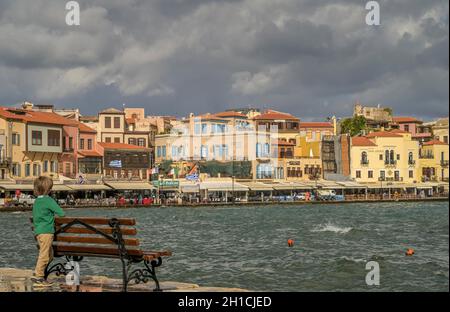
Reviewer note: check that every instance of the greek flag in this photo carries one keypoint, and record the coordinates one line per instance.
(192, 177)
(115, 164)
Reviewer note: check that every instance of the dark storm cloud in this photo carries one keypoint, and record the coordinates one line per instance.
(313, 58)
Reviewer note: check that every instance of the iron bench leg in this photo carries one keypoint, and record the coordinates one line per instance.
(143, 275)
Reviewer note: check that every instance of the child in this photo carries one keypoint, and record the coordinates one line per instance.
(44, 210)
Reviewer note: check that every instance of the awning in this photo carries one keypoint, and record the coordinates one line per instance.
(130, 186)
(60, 188)
(223, 186)
(190, 188)
(258, 187)
(290, 186)
(14, 186)
(88, 187)
(350, 184)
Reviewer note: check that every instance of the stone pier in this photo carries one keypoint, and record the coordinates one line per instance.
(19, 280)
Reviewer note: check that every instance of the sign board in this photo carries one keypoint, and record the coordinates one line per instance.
(166, 183)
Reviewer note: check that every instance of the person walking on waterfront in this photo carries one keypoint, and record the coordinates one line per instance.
(44, 210)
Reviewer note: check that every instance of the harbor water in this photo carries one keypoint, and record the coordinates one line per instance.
(246, 246)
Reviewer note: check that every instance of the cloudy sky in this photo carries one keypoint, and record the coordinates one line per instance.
(313, 58)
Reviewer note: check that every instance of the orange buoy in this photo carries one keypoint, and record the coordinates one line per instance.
(290, 242)
(409, 252)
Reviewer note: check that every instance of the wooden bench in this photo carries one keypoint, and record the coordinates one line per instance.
(77, 238)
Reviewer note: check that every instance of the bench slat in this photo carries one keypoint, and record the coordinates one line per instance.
(94, 240)
(106, 230)
(91, 220)
(68, 249)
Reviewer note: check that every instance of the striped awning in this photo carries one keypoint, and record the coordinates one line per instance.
(257, 186)
(223, 186)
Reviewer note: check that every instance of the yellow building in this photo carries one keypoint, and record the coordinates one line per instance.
(33, 143)
(433, 161)
(384, 156)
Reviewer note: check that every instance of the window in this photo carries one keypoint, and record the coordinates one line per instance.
(204, 128)
(386, 156)
(204, 151)
(116, 140)
(406, 128)
(54, 166)
(107, 122)
(36, 170)
(16, 168)
(70, 142)
(370, 174)
(68, 168)
(158, 151)
(141, 142)
(132, 141)
(411, 174)
(163, 151)
(36, 137)
(446, 139)
(117, 122)
(197, 128)
(27, 170)
(45, 165)
(82, 144)
(381, 157)
(398, 156)
(15, 139)
(396, 175)
(382, 175)
(364, 159)
(89, 144)
(108, 140)
(358, 174)
(410, 158)
(53, 137)
(391, 156)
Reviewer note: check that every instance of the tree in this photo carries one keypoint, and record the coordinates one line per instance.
(353, 126)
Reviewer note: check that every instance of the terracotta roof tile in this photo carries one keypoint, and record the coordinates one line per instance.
(36, 117)
(230, 114)
(85, 129)
(403, 119)
(383, 134)
(434, 142)
(90, 153)
(362, 141)
(271, 115)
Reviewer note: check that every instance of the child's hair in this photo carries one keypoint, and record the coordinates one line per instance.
(42, 186)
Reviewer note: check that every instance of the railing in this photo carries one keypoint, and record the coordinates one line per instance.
(390, 163)
(68, 149)
(444, 163)
(411, 162)
(429, 179)
(364, 162)
(5, 161)
(426, 156)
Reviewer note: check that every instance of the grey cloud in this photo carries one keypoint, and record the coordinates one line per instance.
(310, 57)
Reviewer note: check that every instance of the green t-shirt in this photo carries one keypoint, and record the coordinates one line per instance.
(44, 210)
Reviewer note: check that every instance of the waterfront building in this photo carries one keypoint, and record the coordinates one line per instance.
(126, 161)
(440, 129)
(414, 126)
(434, 162)
(37, 143)
(384, 156)
(90, 160)
(315, 131)
(111, 125)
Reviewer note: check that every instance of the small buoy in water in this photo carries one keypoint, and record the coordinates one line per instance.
(409, 252)
(290, 242)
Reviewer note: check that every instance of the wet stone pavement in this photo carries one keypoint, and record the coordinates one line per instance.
(18, 280)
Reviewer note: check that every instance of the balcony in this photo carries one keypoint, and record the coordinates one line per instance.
(68, 150)
(426, 156)
(411, 162)
(364, 162)
(429, 179)
(390, 163)
(5, 162)
(444, 163)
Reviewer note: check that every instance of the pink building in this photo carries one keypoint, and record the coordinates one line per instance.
(413, 126)
(90, 153)
(68, 160)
